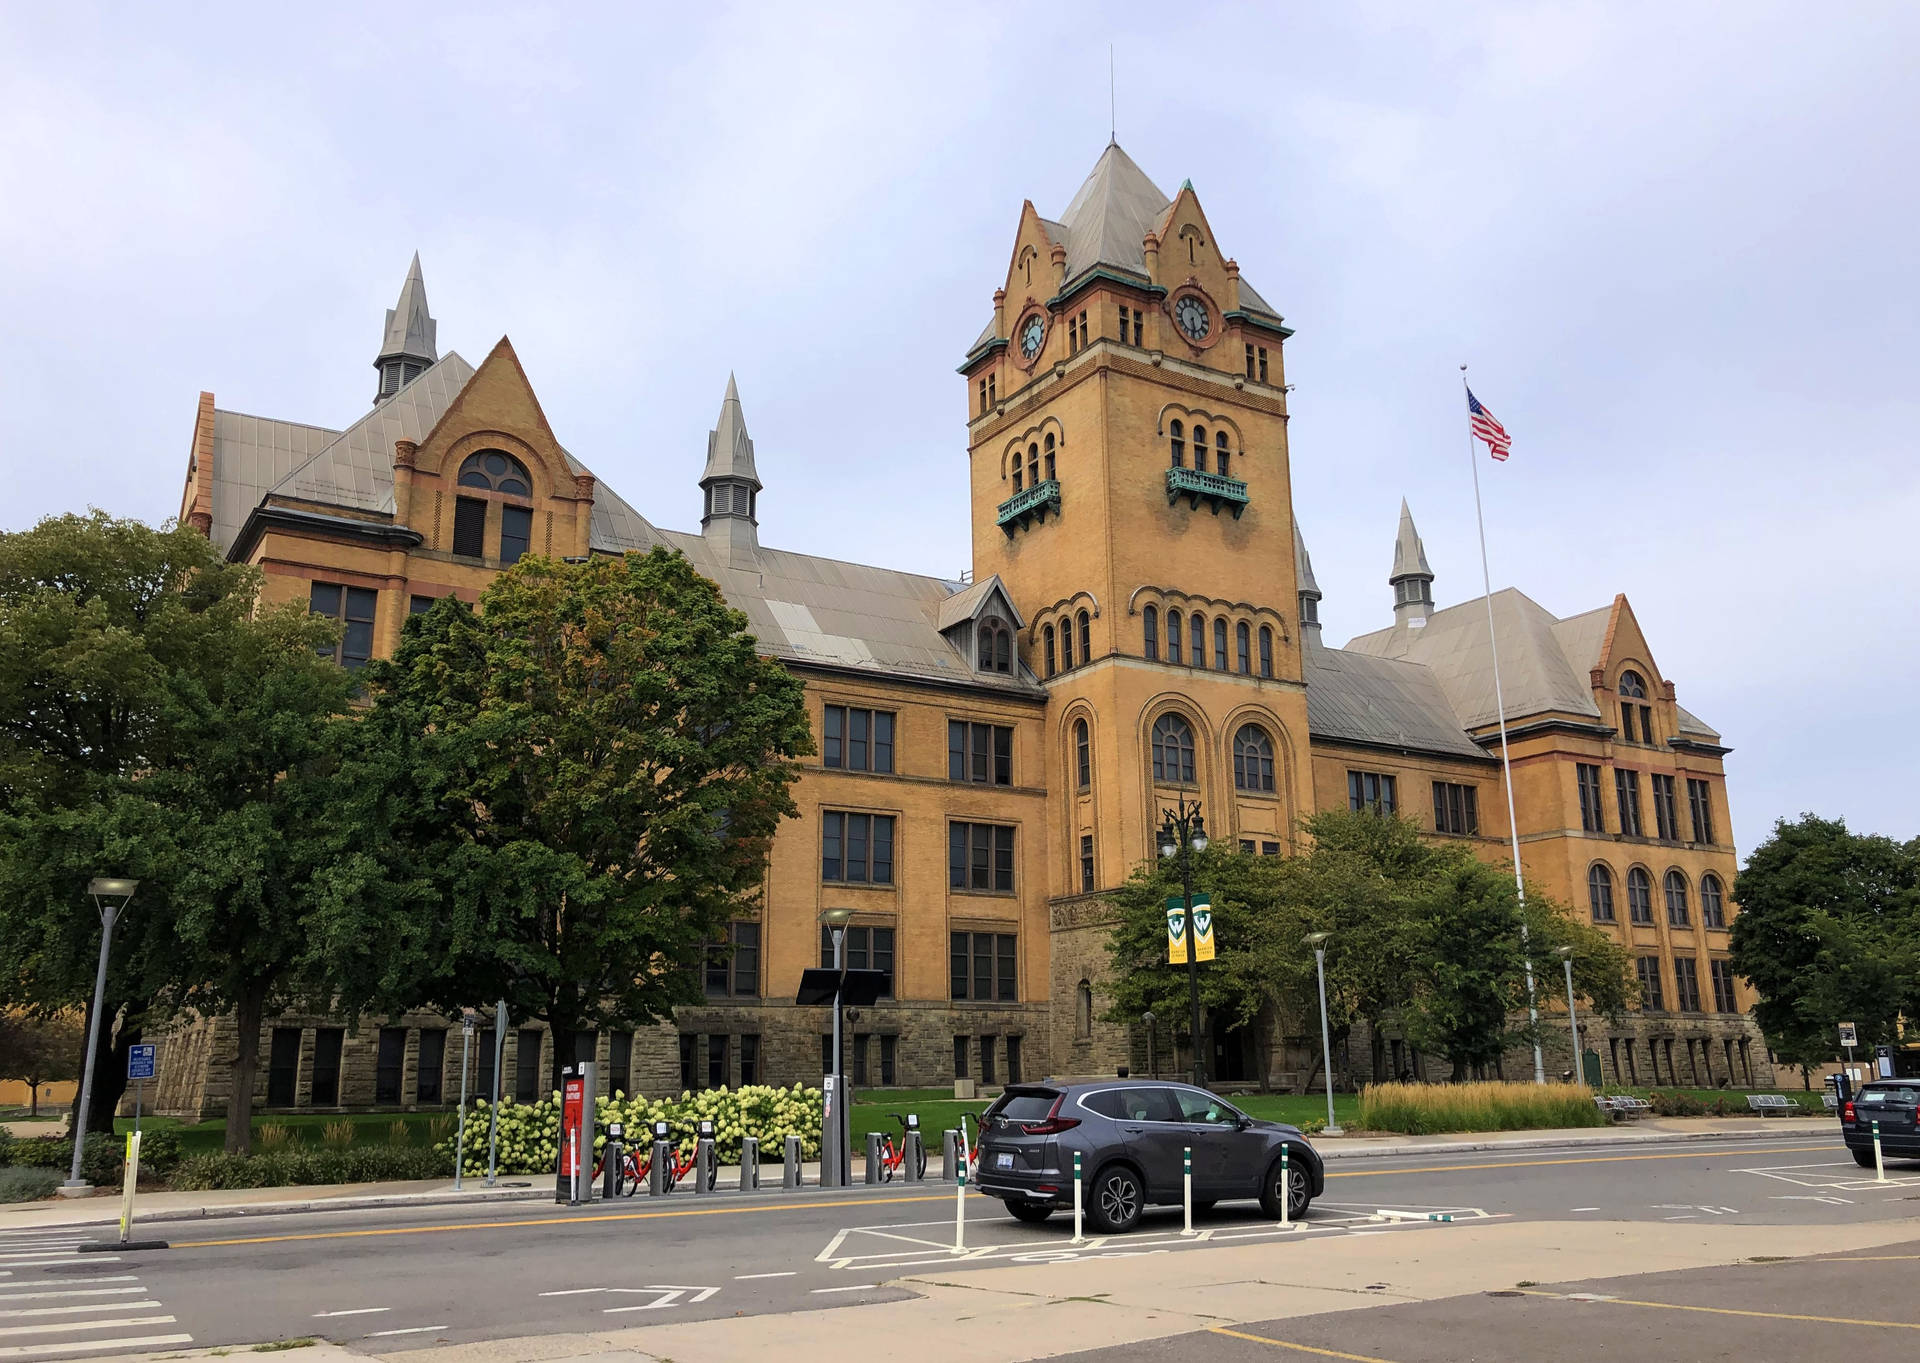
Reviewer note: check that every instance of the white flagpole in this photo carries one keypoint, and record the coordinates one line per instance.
(1506, 760)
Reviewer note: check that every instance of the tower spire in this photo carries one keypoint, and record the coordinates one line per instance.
(1411, 578)
(730, 485)
(1308, 589)
(409, 343)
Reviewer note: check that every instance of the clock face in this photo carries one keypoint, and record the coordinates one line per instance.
(1031, 337)
(1191, 314)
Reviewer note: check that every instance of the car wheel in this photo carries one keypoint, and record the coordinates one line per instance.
(1118, 1199)
(1298, 1196)
(1030, 1212)
(1863, 1158)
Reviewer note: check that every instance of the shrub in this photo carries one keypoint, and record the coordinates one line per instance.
(6, 1147)
(27, 1185)
(1421, 1109)
(439, 1127)
(298, 1167)
(399, 1132)
(337, 1135)
(272, 1136)
(104, 1156)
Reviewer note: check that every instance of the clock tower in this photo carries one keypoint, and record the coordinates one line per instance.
(1127, 438)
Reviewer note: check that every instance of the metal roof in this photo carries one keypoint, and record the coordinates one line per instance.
(250, 455)
(356, 469)
(411, 330)
(1359, 698)
(1409, 554)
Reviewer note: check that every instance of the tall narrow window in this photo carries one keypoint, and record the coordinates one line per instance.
(1033, 466)
(1713, 907)
(1173, 636)
(1626, 789)
(1197, 630)
(1086, 862)
(1666, 817)
(1082, 754)
(1086, 638)
(1700, 805)
(1587, 778)
(1243, 647)
(354, 608)
(469, 527)
(1049, 457)
(1172, 750)
(1249, 360)
(1150, 633)
(1220, 453)
(516, 533)
(327, 1044)
(1721, 972)
(430, 1071)
(1600, 893)
(1220, 643)
(1066, 645)
(1686, 984)
(1200, 448)
(1179, 445)
(1640, 897)
(1252, 759)
(1266, 651)
(1676, 887)
(1019, 475)
(1046, 637)
(283, 1067)
(1648, 968)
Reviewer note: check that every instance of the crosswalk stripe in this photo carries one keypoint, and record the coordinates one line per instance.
(69, 1325)
(95, 1346)
(6, 1297)
(74, 1310)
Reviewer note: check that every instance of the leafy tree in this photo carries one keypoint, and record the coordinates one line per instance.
(585, 778)
(36, 1050)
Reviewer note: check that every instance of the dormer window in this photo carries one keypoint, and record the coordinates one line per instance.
(996, 647)
(1632, 691)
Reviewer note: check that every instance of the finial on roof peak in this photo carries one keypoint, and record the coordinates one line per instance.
(1412, 577)
(410, 342)
(729, 483)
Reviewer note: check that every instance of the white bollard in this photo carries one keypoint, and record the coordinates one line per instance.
(1078, 1237)
(1186, 1188)
(1286, 1190)
(1879, 1162)
(960, 1196)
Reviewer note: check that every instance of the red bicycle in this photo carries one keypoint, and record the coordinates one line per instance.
(893, 1157)
(634, 1169)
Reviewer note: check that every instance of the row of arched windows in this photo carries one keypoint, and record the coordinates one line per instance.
(1037, 451)
(1063, 658)
(1222, 454)
(1713, 905)
(1173, 750)
(1188, 639)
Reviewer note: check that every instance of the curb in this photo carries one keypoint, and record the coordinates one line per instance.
(1330, 1151)
(332, 1204)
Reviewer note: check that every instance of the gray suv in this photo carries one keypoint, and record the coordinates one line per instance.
(1132, 1136)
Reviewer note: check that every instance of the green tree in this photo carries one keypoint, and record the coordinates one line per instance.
(589, 773)
(35, 1050)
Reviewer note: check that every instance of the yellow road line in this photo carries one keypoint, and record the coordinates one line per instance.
(552, 1221)
(1730, 1311)
(1583, 1159)
(1302, 1348)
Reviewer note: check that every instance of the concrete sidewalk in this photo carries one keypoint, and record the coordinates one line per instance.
(161, 1207)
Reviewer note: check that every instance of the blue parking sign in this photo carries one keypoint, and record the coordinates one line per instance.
(140, 1062)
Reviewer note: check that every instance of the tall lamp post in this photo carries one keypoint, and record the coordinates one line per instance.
(1183, 831)
(1318, 941)
(836, 1160)
(1153, 1069)
(111, 897)
(1573, 1019)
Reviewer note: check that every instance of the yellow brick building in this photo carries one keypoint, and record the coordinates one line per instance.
(1140, 624)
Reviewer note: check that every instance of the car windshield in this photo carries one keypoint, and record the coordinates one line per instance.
(1027, 1107)
(1904, 1094)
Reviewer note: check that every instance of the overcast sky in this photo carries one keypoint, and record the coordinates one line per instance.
(1676, 243)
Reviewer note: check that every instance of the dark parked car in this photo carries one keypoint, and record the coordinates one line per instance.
(1895, 1104)
(1131, 1136)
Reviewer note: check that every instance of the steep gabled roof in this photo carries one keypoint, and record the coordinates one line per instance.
(1111, 215)
(968, 604)
(1382, 702)
(356, 469)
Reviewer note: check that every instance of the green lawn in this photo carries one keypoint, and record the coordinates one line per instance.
(938, 1111)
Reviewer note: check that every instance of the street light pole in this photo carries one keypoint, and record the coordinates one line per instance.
(111, 897)
(1573, 1019)
(836, 1159)
(1318, 940)
(1183, 831)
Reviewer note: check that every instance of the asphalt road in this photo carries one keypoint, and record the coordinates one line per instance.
(448, 1275)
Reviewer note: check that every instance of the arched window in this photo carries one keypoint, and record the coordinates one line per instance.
(1220, 642)
(1631, 685)
(1083, 1010)
(1049, 445)
(1266, 651)
(1676, 887)
(1252, 759)
(1633, 689)
(1639, 896)
(1033, 466)
(1600, 893)
(1086, 638)
(996, 647)
(1179, 445)
(1150, 632)
(1243, 646)
(1046, 637)
(1018, 476)
(497, 471)
(1713, 906)
(1066, 645)
(1220, 453)
(1197, 632)
(1172, 749)
(1173, 636)
(1200, 448)
(1082, 754)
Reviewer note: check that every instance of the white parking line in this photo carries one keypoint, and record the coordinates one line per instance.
(414, 1330)
(94, 1346)
(74, 1310)
(751, 1277)
(356, 1311)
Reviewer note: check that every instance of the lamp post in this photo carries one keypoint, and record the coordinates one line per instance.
(1153, 1070)
(836, 1160)
(1573, 1019)
(1183, 831)
(110, 897)
(1318, 941)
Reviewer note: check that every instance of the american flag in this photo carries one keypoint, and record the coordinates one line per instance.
(1499, 444)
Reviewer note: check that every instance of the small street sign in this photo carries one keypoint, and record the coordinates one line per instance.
(1849, 1035)
(140, 1062)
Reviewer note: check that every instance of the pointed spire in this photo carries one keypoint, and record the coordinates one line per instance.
(730, 485)
(729, 448)
(1309, 590)
(1412, 577)
(1116, 207)
(410, 342)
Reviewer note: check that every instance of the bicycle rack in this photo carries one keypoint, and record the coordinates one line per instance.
(703, 1157)
(950, 1155)
(790, 1174)
(913, 1155)
(611, 1168)
(663, 1152)
(749, 1163)
(873, 1157)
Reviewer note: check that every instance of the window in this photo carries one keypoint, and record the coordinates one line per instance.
(1700, 805)
(1150, 633)
(1626, 722)
(1639, 896)
(1082, 754)
(1686, 984)
(1086, 638)
(484, 1055)
(1252, 759)
(1247, 846)
(283, 1067)
(1592, 819)
(1666, 819)
(986, 1060)
(431, 1066)
(979, 752)
(1633, 688)
(516, 533)
(1033, 465)
(867, 949)
(1220, 453)
(1371, 790)
(1721, 973)
(1172, 750)
(1013, 1060)
(1083, 1009)
(496, 471)
(353, 607)
(749, 1061)
(1269, 849)
(1243, 648)
(1454, 809)
(856, 849)
(327, 1042)
(1266, 651)
(1173, 636)
(526, 1083)
(420, 605)
(1626, 790)
(1132, 321)
(1018, 476)
(1177, 434)
(1048, 443)
(1086, 862)
(1713, 909)
(469, 527)
(1676, 888)
(620, 1062)
(856, 740)
(1200, 448)
(983, 968)
(1047, 636)
(390, 1064)
(993, 389)
(980, 857)
(1220, 644)
(1197, 634)
(1249, 361)
(959, 1057)
(716, 1062)
(1600, 893)
(733, 964)
(996, 647)
(1651, 997)
(1257, 363)
(1066, 645)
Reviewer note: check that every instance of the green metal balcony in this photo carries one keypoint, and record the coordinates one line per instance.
(1031, 505)
(1211, 487)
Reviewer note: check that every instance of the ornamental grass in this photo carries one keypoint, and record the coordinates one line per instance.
(1422, 1109)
